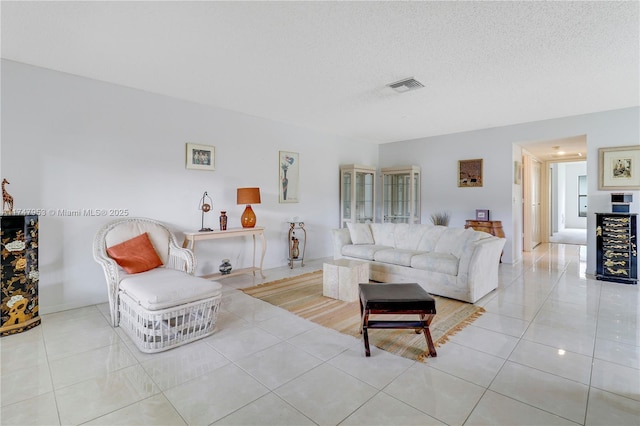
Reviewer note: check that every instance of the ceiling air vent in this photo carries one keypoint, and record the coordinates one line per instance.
(406, 85)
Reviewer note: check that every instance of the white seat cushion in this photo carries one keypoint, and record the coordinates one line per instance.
(362, 251)
(444, 263)
(162, 288)
(396, 256)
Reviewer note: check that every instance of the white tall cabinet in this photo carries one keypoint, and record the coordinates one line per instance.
(401, 194)
(357, 194)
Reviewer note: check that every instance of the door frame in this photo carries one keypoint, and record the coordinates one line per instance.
(543, 217)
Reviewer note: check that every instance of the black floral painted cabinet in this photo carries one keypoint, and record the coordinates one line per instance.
(19, 273)
(616, 247)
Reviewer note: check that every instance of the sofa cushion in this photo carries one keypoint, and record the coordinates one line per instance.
(362, 251)
(408, 237)
(360, 233)
(383, 233)
(161, 288)
(135, 255)
(396, 256)
(444, 263)
(430, 238)
(453, 240)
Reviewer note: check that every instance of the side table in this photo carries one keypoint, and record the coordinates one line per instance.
(340, 278)
(190, 239)
(493, 227)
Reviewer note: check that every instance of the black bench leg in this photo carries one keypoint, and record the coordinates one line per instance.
(365, 332)
(426, 320)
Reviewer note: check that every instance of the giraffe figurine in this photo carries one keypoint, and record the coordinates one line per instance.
(7, 200)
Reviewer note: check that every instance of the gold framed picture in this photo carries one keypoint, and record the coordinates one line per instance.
(470, 173)
(619, 168)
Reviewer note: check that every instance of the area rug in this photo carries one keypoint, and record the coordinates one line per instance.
(302, 295)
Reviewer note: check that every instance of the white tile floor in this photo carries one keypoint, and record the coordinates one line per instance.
(553, 348)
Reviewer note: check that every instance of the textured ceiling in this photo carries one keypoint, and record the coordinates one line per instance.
(325, 65)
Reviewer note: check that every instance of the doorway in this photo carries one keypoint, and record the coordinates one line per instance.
(568, 202)
(545, 165)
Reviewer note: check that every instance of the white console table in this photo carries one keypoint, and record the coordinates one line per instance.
(190, 239)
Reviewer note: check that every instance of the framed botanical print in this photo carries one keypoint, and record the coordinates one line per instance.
(289, 185)
(619, 168)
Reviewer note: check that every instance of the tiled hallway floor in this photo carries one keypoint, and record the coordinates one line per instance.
(553, 348)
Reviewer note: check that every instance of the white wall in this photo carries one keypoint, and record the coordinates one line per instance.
(75, 143)
(438, 157)
(571, 172)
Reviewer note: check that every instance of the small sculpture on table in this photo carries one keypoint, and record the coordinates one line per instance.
(7, 200)
(205, 207)
(295, 250)
(225, 267)
(223, 220)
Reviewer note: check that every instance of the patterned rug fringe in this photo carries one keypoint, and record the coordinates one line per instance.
(302, 296)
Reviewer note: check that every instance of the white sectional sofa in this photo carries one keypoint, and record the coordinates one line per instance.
(452, 262)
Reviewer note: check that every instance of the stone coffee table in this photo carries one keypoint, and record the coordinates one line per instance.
(340, 278)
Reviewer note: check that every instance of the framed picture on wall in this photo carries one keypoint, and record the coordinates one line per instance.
(470, 173)
(517, 172)
(619, 167)
(200, 157)
(289, 178)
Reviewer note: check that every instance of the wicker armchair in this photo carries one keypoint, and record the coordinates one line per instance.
(163, 307)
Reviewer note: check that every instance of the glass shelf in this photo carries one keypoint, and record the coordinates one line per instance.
(357, 194)
(401, 194)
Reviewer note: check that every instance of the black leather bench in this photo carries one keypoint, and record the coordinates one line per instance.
(396, 299)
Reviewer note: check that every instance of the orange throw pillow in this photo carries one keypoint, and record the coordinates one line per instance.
(135, 255)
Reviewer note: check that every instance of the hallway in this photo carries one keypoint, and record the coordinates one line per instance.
(570, 236)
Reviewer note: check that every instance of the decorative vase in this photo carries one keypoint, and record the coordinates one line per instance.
(225, 267)
(223, 221)
(295, 250)
(285, 183)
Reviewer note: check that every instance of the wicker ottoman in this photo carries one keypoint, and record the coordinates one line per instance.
(165, 308)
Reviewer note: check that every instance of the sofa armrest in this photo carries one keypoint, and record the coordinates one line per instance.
(480, 274)
(341, 237)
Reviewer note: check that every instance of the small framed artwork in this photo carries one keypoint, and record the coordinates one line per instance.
(201, 157)
(482, 215)
(289, 182)
(619, 167)
(470, 173)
